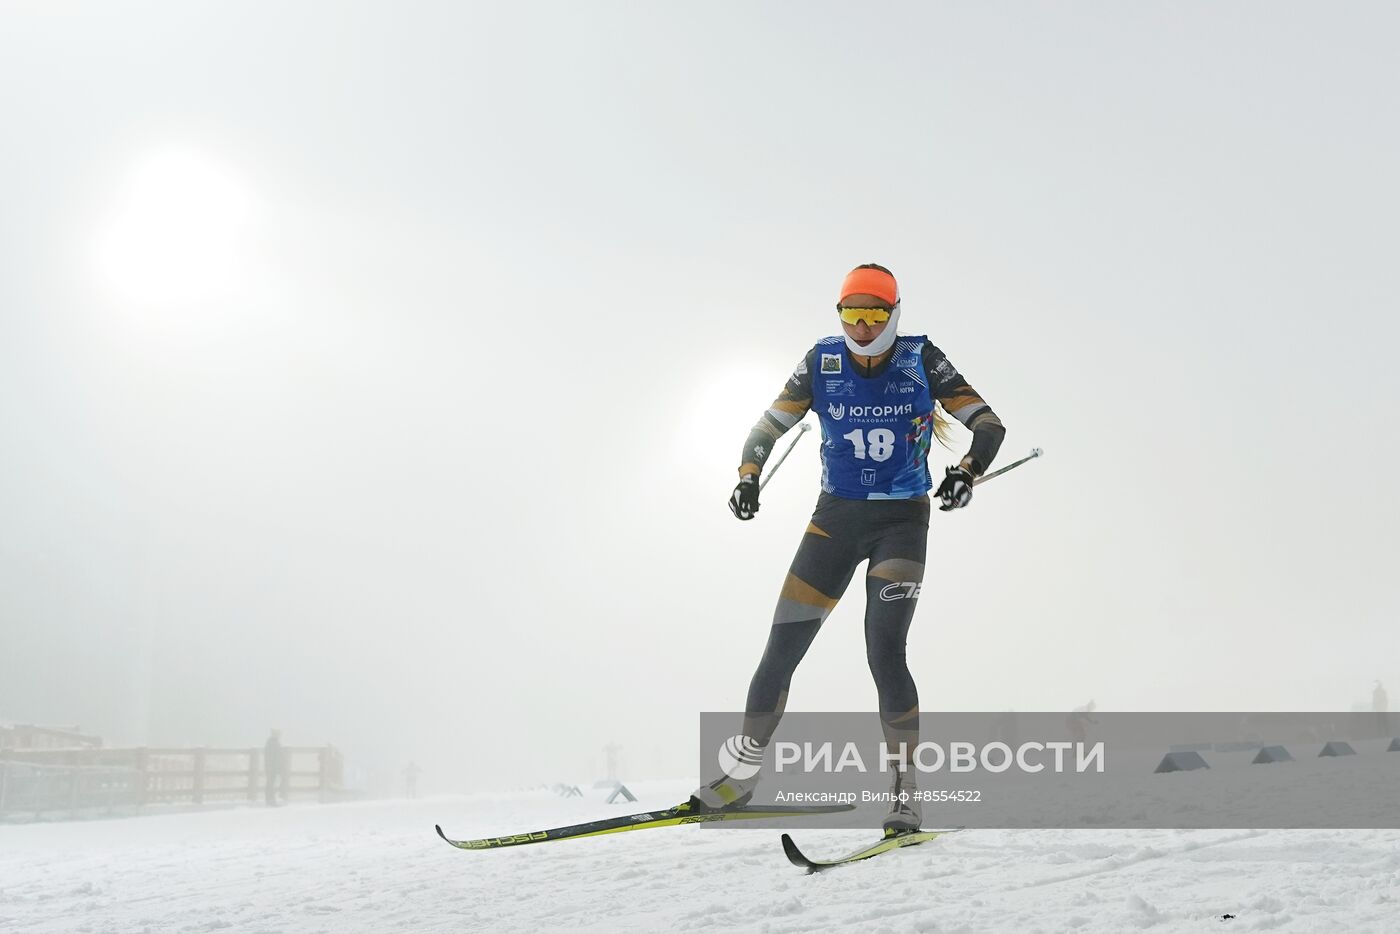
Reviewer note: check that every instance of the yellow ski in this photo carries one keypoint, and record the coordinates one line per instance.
(891, 841)
(687, 813)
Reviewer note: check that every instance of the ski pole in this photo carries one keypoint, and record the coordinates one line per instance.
(802, 430)
(1035, 452)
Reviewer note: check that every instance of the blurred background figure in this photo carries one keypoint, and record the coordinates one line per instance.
(1380, 703)
(1078, 718)
(1006, 730)
(274, 767)
(410, 779)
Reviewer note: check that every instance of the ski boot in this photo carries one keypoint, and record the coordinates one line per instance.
(906, 814)
(723, 793)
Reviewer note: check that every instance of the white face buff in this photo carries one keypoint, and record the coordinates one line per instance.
(880, 344)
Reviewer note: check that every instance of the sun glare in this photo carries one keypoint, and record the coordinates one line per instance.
(177, 232)
(722, 410)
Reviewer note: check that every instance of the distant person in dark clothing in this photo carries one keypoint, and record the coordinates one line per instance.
(1078, 717)
(274, 764)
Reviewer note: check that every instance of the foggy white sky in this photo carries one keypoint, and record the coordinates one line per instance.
(379, 372)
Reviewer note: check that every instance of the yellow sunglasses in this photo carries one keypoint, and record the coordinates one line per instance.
(871, 316)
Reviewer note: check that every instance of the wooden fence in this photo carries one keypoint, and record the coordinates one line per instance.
(35, 782)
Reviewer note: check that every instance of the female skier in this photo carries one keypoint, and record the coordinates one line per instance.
(877, 394)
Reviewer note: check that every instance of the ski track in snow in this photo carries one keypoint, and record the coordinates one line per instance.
(378, 866)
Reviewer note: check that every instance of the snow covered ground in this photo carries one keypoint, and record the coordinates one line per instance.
(378, 866)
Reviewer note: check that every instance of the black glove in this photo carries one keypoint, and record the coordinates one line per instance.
(956, 488)
(743, 502)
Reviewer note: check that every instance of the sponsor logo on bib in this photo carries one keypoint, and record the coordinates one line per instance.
(840, 387)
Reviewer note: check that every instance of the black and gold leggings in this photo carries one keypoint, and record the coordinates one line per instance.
(893, 535)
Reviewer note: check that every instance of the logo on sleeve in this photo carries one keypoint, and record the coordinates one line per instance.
(831, 363)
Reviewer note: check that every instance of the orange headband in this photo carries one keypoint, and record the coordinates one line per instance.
(871, 282)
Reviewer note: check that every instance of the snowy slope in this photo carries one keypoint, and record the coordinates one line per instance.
(379, 867)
